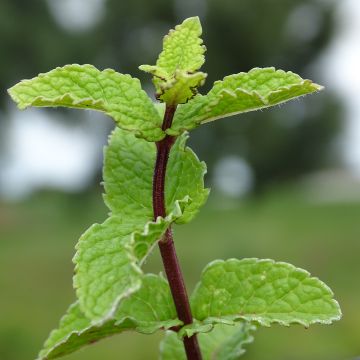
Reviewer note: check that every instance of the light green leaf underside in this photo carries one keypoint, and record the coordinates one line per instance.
(263, 291)
(109, 255)
(175, 76)
(149, 309)
(83, 86)
(224, 342)
(239, 93)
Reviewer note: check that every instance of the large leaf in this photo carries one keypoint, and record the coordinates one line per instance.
(239, 93)
(175, 76)
(147, 310)
(224, 342)
(83, 86)
(263, 291)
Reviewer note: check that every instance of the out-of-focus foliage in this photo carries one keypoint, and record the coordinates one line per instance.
(278, 144)
(239, 36)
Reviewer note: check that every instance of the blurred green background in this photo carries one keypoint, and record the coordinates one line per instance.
(280, 186)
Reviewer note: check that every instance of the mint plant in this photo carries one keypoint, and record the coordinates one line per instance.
(152, 180)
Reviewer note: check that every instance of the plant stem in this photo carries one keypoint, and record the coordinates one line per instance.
(166, 244)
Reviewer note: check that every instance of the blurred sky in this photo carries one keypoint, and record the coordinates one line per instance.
(32, 157)
(341, 71)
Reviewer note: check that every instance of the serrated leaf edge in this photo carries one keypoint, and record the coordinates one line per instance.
(139, 327)
(19, 102)
(129, 247)
(232, 93)
(206, 191)
(73, 103)
(195, 328)
(194, 20)
(255, 318)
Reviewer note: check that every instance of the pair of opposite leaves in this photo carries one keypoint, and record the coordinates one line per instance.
(114, 294)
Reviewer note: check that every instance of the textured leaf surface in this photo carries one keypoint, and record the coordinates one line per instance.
(185, 177)
(108, 262)
(128, 176)
(263, 291)
(128, 172)
(181, 88)
(109, 255)
(175, 76)
(243, 92)
(83, 86)
(182, 50)
(149, 309)
(224, 342)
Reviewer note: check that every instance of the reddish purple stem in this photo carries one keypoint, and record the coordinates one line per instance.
(166, 244)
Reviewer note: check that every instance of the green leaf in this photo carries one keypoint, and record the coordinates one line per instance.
(239, 93)
(109, 255)
(128, 172)
(175, 75)
(128, 176)
(182, 50)
(83, 86)
(160, 107)
(204, 326)
(108, 261)
(224, 342)
(149, 309)
(181, 88)
(185, 178)
(263, 291)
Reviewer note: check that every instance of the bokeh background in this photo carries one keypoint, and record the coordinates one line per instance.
(285, 182)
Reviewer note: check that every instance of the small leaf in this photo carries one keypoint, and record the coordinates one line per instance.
(263, 291)
(175, 75)
(222, 343)
(239, 93)
(83, 86)
(182, 50)
(185, 177)
(181, 88)
(149, 309)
